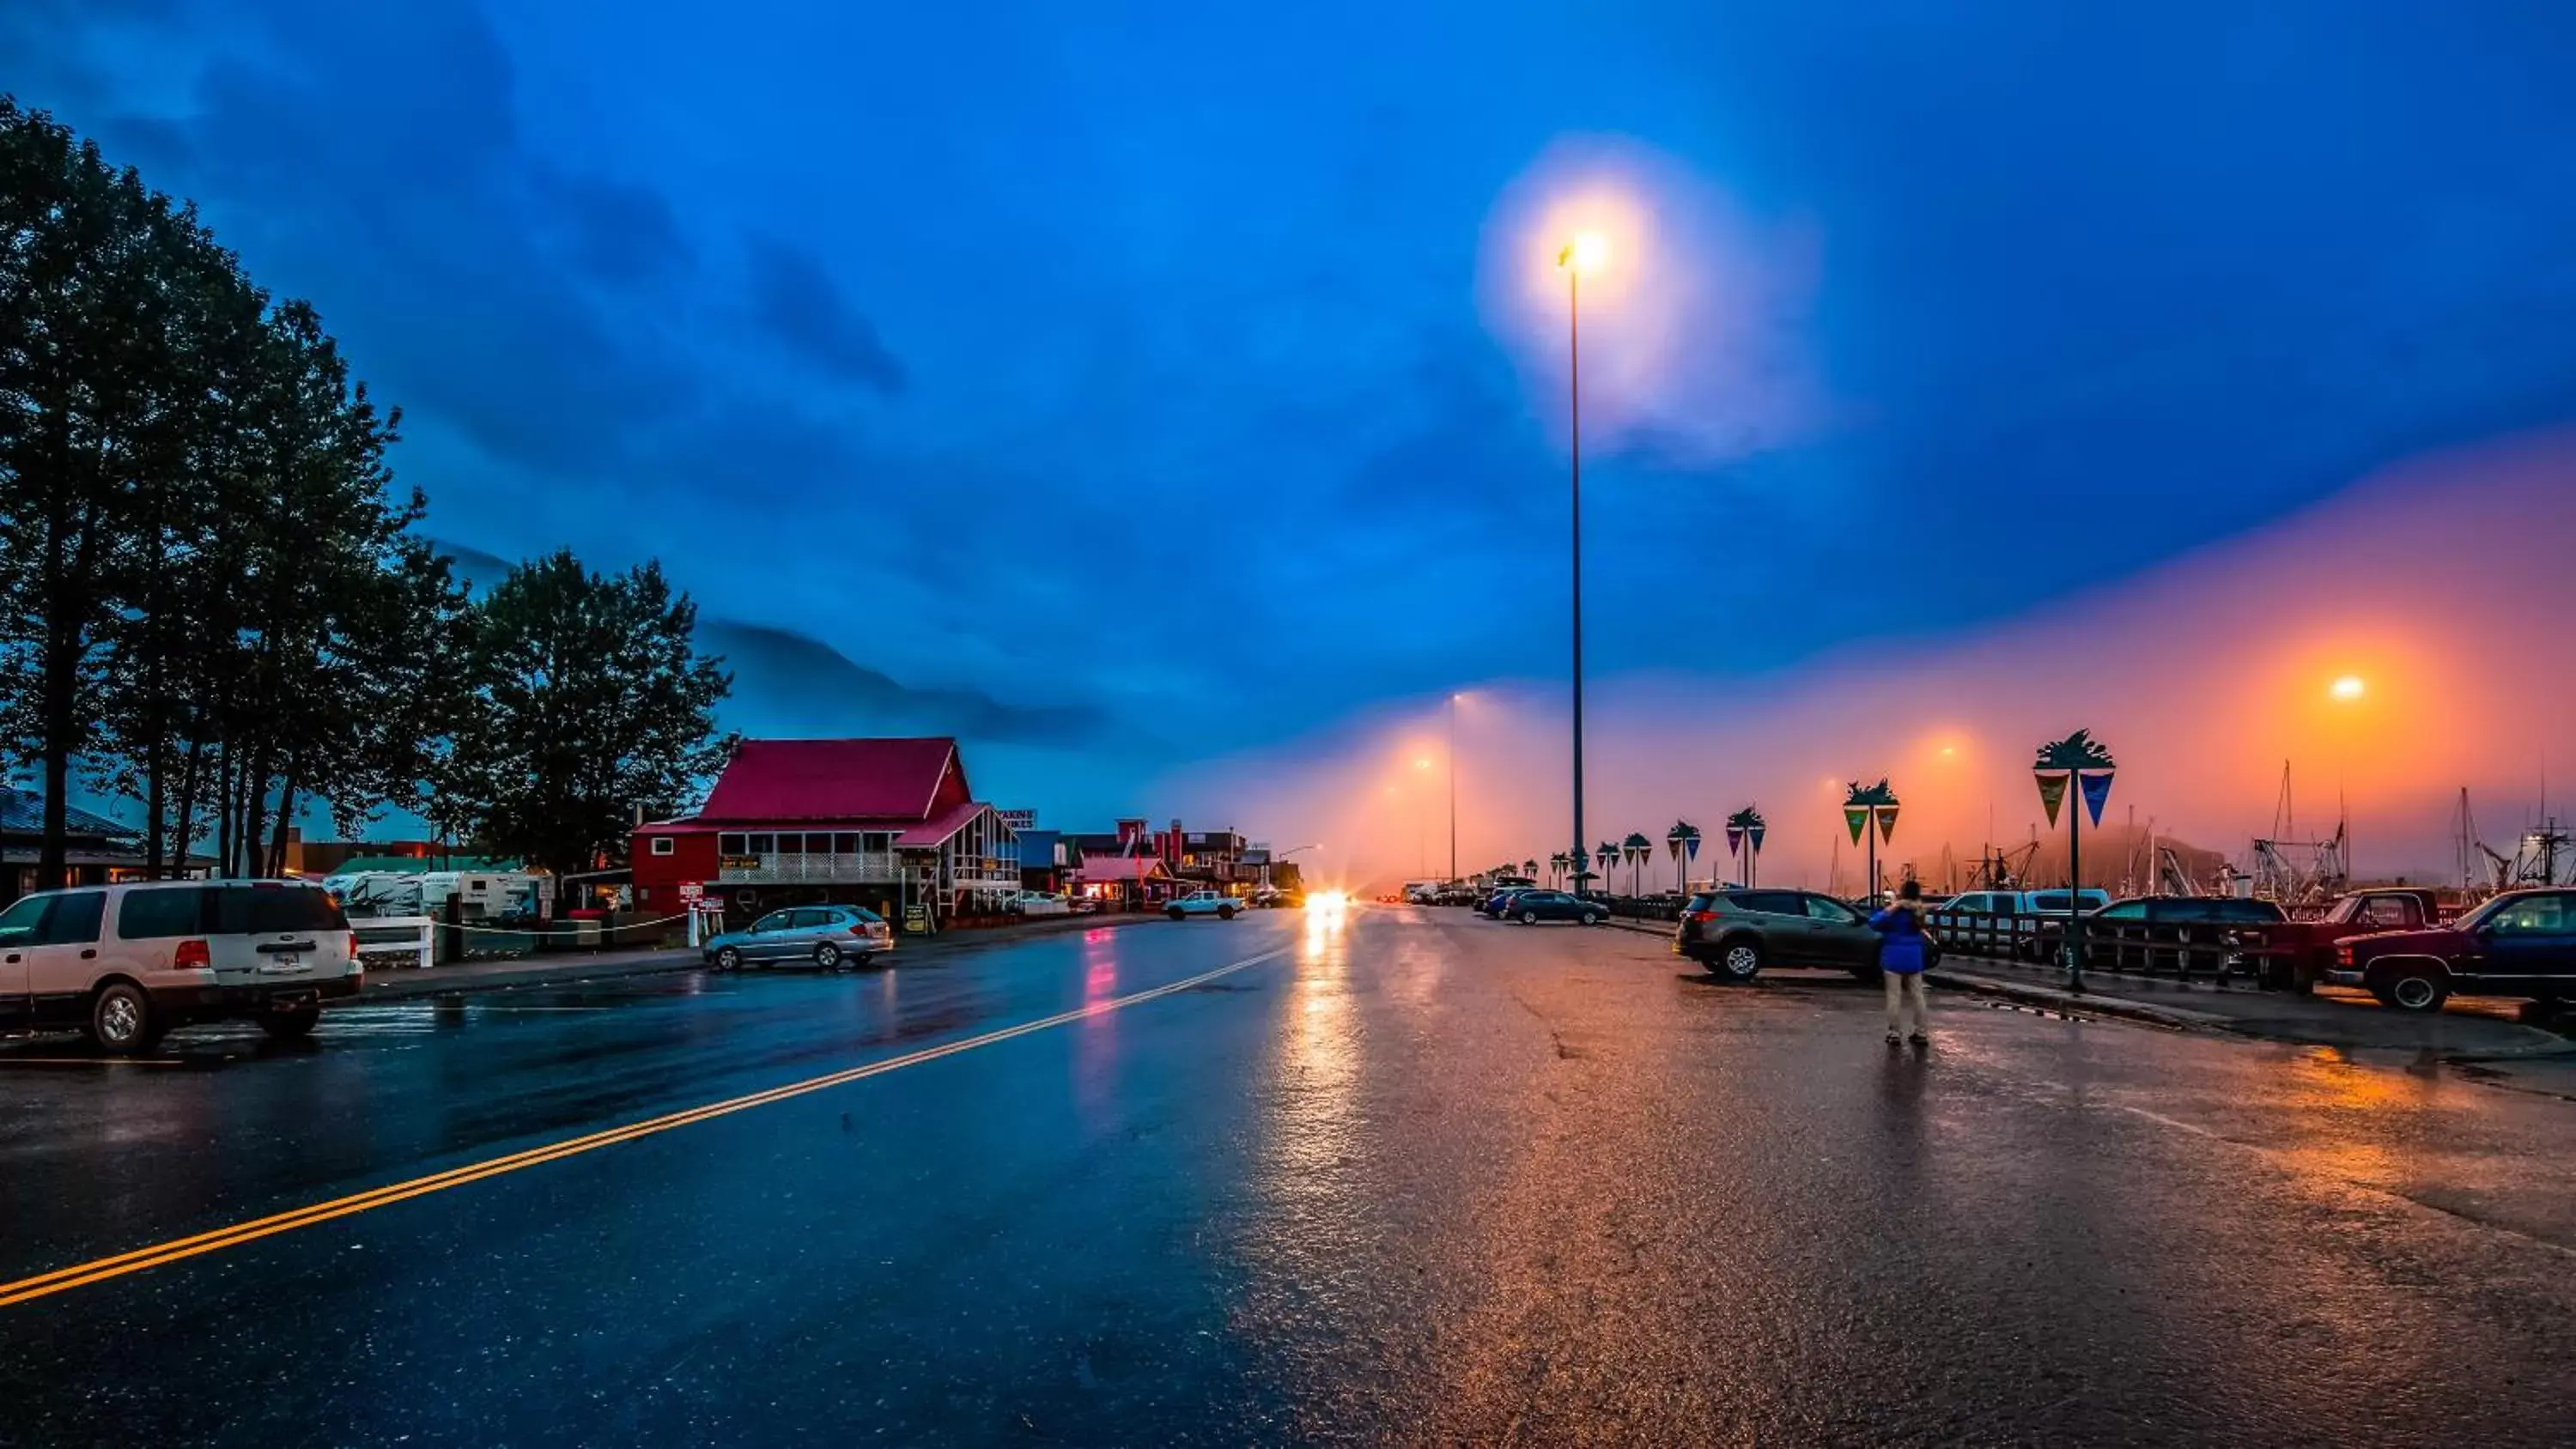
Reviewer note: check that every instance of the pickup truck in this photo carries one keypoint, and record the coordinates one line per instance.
(2312, 943)
(2521, 943)
(1203, 903)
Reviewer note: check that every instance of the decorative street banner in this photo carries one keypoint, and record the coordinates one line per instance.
(1753, 835)
(2097, 793)
(2052, 792)
(1856, 819)
(1886, 824)
(1734, 838)
(1690, 843)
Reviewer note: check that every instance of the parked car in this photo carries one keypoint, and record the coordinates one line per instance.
(2048, 940)
(1531, 907)
(1499, 903)
(829, 936)
(2311, 944)
(2521, 943)
(130, 962)
(1039, 903)
(1735, 933)
(1203, 903)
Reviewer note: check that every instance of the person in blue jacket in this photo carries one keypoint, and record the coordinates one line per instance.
(1901, 958)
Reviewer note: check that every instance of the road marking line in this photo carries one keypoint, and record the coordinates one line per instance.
(117, 1266)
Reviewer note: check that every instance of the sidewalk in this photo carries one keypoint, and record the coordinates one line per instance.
(2469, 1030)
(571, 968)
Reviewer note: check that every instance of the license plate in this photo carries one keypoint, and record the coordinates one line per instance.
(283, 966)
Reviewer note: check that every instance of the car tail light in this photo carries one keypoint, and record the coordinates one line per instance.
(192, 956)
(353, 948)
(1703, 917)
(2343, 955)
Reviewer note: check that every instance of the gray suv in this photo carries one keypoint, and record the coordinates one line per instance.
(1735, 933)
(828, 936)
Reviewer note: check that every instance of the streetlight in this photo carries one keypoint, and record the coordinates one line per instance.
(1453, 785)
(1277, 856)
(1585, 253)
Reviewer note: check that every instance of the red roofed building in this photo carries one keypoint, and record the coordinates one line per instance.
(878, 823)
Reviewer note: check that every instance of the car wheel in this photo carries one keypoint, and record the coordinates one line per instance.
(2416, 988)
(828, 956)
(1177, 914)
(1529, 918)
(1590, 919)
(1737, 961)
(291, 1025)
(1225, 913)
(728, 959)
(120, 1019)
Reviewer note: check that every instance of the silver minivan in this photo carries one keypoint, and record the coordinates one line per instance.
(129, 962)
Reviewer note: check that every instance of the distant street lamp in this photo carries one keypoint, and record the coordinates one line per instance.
(1277, 856)
(1587, 251)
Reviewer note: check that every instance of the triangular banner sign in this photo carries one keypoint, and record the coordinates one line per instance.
(1856, 820)
(1753, 837)
(2097, 793)
(1734, 839)
(2052, 793)
(1886, 823)
(1690, 843)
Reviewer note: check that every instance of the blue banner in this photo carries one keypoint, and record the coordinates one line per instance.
(2097, 793)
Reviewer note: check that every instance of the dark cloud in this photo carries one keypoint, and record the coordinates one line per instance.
(789, 683)
(619, 233)
(802, 307)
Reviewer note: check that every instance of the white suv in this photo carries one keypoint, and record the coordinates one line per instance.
(129, 962)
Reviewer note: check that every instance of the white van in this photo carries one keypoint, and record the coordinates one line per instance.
(129, 962)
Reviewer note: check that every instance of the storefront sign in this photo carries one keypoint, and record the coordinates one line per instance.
(1018, 819)
(916, 920)
(741, 862)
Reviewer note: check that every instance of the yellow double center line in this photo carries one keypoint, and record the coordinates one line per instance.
(62, 1279)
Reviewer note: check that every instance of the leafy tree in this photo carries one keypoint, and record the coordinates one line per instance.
(590, 703)
(211, 597)
(94, 396)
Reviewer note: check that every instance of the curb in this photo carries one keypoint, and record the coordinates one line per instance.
(2173, 1018)
(413, 985)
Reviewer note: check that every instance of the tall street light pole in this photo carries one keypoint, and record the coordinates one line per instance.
(1584, 251)
(1453, 786)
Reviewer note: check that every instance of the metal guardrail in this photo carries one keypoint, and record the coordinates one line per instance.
(2265, 953)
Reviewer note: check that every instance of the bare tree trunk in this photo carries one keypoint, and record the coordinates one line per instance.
(224, 812)
(189, 780)
(285, 821)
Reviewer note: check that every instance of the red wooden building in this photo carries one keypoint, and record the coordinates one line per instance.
(878, 823)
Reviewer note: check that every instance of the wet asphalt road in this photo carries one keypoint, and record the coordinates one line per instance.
(1413, 1178)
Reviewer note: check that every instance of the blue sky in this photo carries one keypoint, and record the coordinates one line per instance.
(1134, 384)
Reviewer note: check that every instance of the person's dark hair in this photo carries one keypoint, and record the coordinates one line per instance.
(1911, 890)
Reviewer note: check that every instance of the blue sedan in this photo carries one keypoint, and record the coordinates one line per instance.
(829, 936)
(1531, 907)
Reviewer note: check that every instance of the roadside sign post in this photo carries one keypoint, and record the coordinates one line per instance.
(2082, 764)
(1869, 813)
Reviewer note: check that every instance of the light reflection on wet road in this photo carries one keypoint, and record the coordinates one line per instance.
(1419, 1179)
